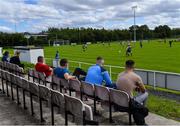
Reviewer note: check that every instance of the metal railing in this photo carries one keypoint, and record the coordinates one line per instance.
(154, 78)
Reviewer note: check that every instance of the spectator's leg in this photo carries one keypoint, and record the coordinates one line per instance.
(141, 98)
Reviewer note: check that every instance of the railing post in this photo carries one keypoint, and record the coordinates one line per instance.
(110, 72)
(154, 85)
(166, 81)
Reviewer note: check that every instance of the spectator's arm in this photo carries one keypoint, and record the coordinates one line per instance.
(140, 85)
(69, 77)
(107, 78)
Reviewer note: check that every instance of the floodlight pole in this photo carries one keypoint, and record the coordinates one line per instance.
(134, 9)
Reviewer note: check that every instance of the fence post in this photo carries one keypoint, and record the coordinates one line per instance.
(154, 80)
(166, 81)
(110, 72)
(147, 75)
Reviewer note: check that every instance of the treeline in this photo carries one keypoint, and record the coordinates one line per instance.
(81, 35)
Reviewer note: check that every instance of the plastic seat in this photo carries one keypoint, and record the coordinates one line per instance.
(18, 81)
(77, 108)
(19, 71)
(4, 80)
(36, 77)
(10, 80)
(30, 74)
(55, 81)
(122, 100)
(74, 85)
(64, 84)
(88, 90)
(57, 100)
(34, 91)
(25, 88)
(44, 95)
(101, 94)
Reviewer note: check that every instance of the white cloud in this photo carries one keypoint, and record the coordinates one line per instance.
(95, 13)
(5, 29)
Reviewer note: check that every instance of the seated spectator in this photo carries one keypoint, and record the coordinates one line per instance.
(16, 60)
(42, 67)
(80, 74)
(5, 57)
(97, 74)
(62, 71)
(129, 81)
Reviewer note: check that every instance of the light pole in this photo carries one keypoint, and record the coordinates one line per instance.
(27, 36)
(134, 9)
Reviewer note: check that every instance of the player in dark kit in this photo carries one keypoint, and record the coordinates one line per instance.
(129, 50)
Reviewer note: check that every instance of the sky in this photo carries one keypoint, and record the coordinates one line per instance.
(38, 15)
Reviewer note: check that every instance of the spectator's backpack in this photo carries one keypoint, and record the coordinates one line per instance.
(139, 112)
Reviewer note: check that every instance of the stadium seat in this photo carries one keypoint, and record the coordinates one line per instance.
(101, 94)
(55, 82)
(88, 90)
(77, 108)
(44, 95)
(30, 74)
(42, 78)
(2, 83)
(4, 80)
(9, 80)
(18, 81)
(64, 84)
(36, 77)
(25, 88)
(121, 102)
(1, 65)
(74, 85)
(34, 91)
(57, 100)
(19, 71)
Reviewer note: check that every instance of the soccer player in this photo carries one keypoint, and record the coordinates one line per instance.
(129, 50)
(141, 45)
(170, 43)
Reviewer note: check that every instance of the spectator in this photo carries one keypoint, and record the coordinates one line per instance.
(129, 81)
(62, 71)
(80, 74)
(42, 67)
(97, 74)
(16, 60)
(5, 57)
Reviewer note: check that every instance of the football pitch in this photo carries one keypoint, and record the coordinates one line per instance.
(153, 56)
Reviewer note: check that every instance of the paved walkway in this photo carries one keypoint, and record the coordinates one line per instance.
(12, 114)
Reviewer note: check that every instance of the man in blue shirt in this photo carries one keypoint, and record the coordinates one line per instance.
(5, 57)
(97, 74)
(62, 71)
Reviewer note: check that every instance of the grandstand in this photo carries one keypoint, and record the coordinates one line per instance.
(36, 92)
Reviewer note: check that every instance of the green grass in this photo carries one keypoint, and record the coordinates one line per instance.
(153, 56)
(164, 107)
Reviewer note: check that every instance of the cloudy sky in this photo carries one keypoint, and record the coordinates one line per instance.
(37, 15)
